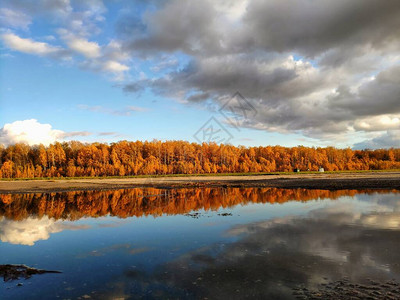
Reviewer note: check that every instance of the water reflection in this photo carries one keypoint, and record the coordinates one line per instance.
(32, 229)
(273, 257)
(258, 251)
(150, 201)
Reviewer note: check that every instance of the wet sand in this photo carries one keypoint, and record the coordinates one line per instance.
(335, 181)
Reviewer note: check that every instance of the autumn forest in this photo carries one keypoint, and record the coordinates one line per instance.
(76, 159)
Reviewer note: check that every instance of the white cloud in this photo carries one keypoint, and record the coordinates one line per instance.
(32, 132)
(29, 131)
(378, 123)
(115, 51)
(114, 67)
(97, 58)
(84, 47)
(30, 46)
(14, 18)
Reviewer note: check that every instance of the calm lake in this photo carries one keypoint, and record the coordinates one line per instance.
(203, 243)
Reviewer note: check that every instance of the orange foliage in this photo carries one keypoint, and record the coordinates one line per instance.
(75, 159)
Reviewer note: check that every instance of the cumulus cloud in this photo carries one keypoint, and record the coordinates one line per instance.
(30, 46)
(76, 23)
(32, 132)
(114, 66)
(315, 68)
(14, 19)
(30, 230)
(313, 27)
(378, 123)
(375, 97)
(29, 131)
(194, 30)
(82, 46)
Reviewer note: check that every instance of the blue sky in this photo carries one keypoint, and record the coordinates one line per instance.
(114, 70)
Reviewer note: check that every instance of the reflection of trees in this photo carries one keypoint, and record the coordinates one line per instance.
(149, 201)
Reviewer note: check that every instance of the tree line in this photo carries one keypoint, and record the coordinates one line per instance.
(150, 201)
(76, 159)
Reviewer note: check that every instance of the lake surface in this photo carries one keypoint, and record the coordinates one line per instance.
(214, 243)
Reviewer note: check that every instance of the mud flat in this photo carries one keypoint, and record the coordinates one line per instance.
(329, 181)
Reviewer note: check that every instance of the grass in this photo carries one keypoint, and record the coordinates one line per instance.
(197, 175)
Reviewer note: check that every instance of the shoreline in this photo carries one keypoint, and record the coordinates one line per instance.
(327, 181)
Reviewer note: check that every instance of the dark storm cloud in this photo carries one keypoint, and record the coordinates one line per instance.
(380, 96)
(187, 26)
(312, 27)
(306, 27)
(255, 54)
(222, 75)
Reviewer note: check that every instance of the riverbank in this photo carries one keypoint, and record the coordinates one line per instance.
(329, 181)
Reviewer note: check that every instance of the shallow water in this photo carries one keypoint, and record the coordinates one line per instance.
(210, 243)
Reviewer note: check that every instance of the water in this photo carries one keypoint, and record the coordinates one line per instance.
(213, 243)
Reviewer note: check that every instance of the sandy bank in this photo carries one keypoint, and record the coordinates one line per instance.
(336, 181)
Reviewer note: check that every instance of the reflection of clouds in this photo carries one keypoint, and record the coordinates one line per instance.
(31, 230)
(389, 201)
(382, 220)
(343, 239)
(123, 248)
(384, 214)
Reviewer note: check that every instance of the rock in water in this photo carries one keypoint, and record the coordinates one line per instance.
(14, 272)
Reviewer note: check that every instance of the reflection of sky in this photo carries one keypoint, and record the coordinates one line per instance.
(31, 230)
(121, 255)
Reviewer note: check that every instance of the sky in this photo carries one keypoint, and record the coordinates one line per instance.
(253, 73)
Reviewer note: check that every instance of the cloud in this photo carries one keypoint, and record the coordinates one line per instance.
(328, 70)
(375, 97)
(378, 123)
(76, 133)
(56, 8)
(32, 132)
(111, 133)
(319, 69)
(76, 23)
(313, 27)
(114, 66)
(14, 19)
(30, 46)
(29, 131)
(97, 58)
(194, 30)
(127, 111)
(29, 231)
(82, 46)
(165, 64)
(386, 140)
